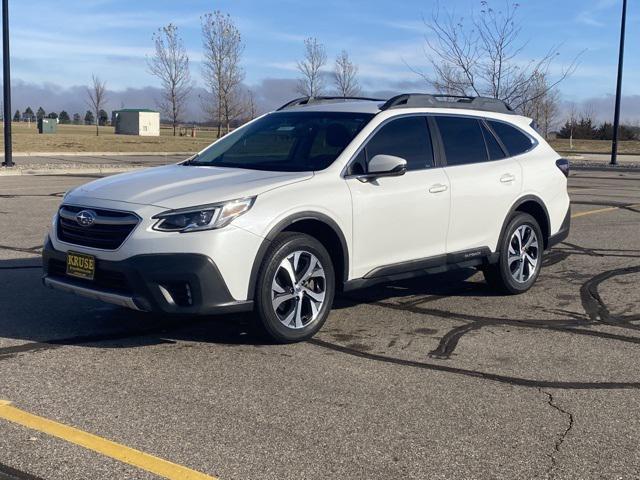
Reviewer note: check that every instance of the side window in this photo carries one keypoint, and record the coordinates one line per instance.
(407, 138)
(463, 140)
(512, 138)
(493, 147)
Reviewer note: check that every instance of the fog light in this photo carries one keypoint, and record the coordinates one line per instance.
(177, 293)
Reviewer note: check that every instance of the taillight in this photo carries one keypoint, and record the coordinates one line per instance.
(563, 165)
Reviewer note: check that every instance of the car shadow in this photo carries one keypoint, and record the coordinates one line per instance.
(30, 312)
(45, 318)
(455, 283)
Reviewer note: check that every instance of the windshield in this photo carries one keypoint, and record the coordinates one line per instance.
(286, 142)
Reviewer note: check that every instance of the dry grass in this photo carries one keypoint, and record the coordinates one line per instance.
(81, 138)
(595, 146)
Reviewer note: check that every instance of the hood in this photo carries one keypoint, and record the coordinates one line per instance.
(178, 186)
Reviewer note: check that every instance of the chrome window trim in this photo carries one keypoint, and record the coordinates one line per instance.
(534, 141)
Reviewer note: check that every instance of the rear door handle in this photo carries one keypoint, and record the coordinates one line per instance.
(438, 187)
(508, 178)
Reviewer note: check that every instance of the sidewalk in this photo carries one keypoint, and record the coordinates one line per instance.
(87, 163)
(602, 160)
(108, 163)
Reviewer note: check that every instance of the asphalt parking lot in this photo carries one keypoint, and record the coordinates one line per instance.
(435, 378)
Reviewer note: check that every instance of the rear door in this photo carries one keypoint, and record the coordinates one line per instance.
(485, 182)
(398, 219)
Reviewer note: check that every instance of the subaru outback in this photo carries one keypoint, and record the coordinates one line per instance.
(323, 195)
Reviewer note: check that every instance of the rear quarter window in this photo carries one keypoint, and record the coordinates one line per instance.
(513, 139)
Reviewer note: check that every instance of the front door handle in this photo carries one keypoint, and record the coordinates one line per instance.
(437, 188)
(508, 178)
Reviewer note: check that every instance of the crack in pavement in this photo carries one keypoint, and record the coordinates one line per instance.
(33, 250)
(561, 438)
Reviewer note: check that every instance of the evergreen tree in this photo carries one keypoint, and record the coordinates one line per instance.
(103, 118)
(605, 132)
(89, 119)
(16, 117)
(52, 115)
(64, 117)
(41, 113)
(76, 119)
(28, 114)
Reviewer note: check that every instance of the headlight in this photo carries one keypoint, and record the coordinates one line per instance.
(204, 217)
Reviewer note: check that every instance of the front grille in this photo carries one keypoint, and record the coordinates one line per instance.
(108, 231)
(104, 279)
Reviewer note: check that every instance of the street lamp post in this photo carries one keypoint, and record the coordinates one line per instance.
(616, 115)
(8, 160)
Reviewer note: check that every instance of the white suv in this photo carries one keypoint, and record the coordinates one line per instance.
(324, 195)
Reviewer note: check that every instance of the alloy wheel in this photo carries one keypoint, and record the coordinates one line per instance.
(298, 289)
(524, 253)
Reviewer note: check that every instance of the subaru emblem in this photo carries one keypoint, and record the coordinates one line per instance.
(86, 218)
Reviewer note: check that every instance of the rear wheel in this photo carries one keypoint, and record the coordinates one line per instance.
(295, 288)
(521, 250)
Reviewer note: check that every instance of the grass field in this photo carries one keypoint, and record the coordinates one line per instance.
(82, 138)
(595, 146)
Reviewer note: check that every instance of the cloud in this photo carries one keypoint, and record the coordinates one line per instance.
(602, 108)
(269, 94)
(592, 16)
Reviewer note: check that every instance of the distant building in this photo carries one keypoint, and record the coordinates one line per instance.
(132, 121)
(553, 135)
(47, 125)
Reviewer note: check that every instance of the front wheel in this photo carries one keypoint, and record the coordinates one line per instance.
(520, 256)
(295, 288)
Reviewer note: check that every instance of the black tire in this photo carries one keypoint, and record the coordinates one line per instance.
(502, 275)
(281, 249)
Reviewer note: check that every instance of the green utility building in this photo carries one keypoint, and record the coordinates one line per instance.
(47, 125)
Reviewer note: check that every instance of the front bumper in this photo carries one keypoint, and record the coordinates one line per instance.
(182, 283)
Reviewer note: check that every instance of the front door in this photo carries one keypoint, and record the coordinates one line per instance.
(399, 219)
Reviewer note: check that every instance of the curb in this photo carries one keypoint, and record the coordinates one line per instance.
(100, 154)
(93, 170)
(580, 152)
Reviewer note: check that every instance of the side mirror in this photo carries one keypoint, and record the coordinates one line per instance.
(384, 166)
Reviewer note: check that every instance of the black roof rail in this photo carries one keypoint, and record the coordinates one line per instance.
(436, 100)
(312, 100)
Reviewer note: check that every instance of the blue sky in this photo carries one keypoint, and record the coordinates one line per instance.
(63, 42)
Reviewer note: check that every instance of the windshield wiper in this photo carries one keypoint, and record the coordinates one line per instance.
(190, 161)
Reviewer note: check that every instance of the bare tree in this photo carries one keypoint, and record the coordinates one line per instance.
(345, 76)
(250, 105)
(543, 104)
(573, 120)
(170, 63)
(223, 75)
(312, 84)
(550, 108)
(97, 94)
(483, 57)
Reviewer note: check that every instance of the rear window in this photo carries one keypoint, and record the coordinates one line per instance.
(463, 140)
(512, 138)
